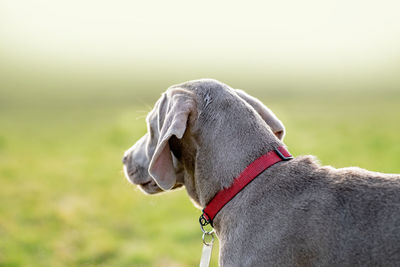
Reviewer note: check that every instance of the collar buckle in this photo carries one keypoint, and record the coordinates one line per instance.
(205, 220)
(283, 157)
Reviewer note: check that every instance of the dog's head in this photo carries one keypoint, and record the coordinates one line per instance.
(154, 163)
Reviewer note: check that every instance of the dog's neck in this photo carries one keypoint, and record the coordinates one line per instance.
(223, 150)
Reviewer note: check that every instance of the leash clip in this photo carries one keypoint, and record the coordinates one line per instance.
(205, 220)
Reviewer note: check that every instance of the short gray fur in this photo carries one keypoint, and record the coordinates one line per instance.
(296, 213)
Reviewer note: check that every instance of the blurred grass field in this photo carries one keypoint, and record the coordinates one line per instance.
(77, 79)
(65, 202)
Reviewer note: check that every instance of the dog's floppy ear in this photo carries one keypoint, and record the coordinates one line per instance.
(268, 116)
(178, 105)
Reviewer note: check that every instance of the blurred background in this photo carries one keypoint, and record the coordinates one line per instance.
(77, 79)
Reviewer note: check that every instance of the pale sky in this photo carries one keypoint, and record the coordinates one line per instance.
(308, 33)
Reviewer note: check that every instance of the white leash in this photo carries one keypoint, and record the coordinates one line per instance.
(207, 249)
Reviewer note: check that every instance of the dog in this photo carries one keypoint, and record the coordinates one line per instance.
(204, 135)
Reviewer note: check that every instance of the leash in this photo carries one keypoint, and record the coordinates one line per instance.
(224, 196)
(207, 248)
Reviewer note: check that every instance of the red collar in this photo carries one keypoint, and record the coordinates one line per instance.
(244, 178)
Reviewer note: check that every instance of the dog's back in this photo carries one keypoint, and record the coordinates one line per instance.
(307, 215)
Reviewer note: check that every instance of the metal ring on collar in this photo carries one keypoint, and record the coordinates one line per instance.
(212, 238)
(205, 231)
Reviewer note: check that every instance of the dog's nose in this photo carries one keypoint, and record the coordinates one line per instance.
(125, 159)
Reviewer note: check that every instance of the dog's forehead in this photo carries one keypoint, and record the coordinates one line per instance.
(152, 114)
(155, 118)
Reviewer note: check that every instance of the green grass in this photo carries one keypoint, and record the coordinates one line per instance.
(64, 200)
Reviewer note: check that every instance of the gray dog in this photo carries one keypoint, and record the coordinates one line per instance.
(202, 134)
